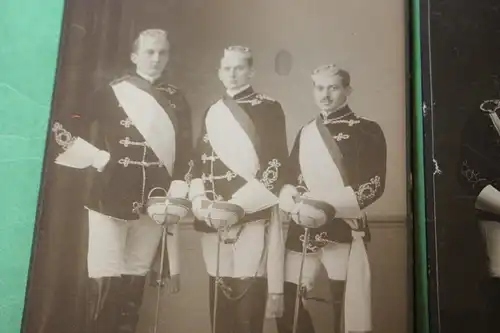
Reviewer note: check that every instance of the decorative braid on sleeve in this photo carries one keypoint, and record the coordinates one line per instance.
(368, 191)
(63, 137)
(270, 175)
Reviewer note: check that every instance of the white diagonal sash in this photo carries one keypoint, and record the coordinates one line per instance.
(322, 176)
(230, 142)
(235, 149)
(325, 181)
(150, 119)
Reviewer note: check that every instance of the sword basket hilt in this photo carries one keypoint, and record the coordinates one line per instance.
(166, 210)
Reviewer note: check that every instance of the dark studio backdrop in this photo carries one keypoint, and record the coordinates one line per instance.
(464, 63)
(367, 38)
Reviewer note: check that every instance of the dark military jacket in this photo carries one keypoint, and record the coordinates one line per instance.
(121, 189)
(479, 162)
(363, 146)
(220, 182)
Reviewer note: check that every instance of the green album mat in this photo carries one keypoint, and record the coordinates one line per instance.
(29, 35)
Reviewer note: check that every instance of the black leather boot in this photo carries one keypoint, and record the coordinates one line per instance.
(103, 304)
(131, 294)
(285, 323)
(493, 305)
(250, 304)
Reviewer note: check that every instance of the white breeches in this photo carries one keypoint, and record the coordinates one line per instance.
(119, 247)
(244, 258)
(334, 257)
(491, 232)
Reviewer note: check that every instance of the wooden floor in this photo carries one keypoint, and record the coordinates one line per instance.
(187, 311)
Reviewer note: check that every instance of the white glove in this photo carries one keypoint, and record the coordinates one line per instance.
(215, 220)
(286, 198)
(199, 213)
(101, 159)
(178, 189)
(308, 216)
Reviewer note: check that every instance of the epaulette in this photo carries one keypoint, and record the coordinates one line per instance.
(119, 79)
(264, 97)
(363, 118)
(171, 89)
(490, 106)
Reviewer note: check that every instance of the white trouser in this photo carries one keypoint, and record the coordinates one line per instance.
(242, 259)
(491, 232)
(334, 257)
(119, 247)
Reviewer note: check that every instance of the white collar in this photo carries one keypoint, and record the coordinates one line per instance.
(326, 114)
(148, 78)
(233, 93)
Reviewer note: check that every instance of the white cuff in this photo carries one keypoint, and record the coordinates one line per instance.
(345, 203)
(101, 159)
(178, 189)
(196, 188)
(81, 154)
(254, 197)
(489, 200)
(286, 200)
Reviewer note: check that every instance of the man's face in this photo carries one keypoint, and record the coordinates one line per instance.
(235, 71)
(151, 55)
(330, 92)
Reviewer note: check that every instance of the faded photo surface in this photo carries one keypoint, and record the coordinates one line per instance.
(228, 167)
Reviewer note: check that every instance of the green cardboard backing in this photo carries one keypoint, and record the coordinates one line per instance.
(29, 35)
(420, 240)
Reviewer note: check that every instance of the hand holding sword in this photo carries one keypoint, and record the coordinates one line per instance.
(167, 211)
(308, 213)
(220, 216)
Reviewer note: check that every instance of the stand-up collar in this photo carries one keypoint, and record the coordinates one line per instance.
(243, 94)
(339, 113)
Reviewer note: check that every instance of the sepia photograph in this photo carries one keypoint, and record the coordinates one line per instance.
(462, 128)
(226, 167)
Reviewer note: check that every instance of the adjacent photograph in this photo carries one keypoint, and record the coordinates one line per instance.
(226, 167)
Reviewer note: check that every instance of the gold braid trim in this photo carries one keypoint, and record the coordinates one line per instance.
(188, 177)
(62, 136)
(368, 190)
(470, 174)
(270, 175)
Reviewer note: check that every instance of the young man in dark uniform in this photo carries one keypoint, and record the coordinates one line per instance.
(135, 136)
(238, 160)
(338, 159)
(479, 175)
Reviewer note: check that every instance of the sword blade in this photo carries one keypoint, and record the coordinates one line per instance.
(162, 269)
(299, 284)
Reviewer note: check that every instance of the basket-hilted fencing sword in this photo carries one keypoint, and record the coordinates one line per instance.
(159, 282)
(220, 228)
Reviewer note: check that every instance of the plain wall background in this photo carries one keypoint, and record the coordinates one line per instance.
(364, 37)
(367, 39)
